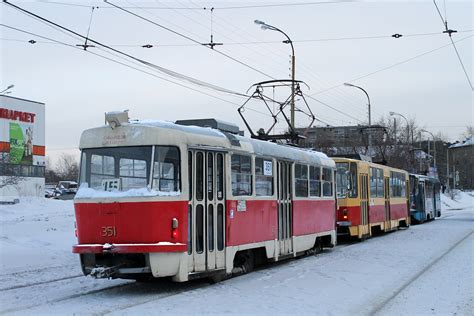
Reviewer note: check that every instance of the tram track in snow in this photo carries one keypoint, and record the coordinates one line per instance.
(64, 298)
(20, 286)
(418, 275)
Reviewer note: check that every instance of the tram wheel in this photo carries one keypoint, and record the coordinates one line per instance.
(318, 246)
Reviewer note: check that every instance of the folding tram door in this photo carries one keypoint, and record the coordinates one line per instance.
(285, 208)
(206, 213)
(388, 221)
(364, 205)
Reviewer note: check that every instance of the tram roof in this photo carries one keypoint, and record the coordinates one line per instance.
(155, 132)
(369, 163)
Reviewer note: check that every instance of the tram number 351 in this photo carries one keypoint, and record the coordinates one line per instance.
(109, 231)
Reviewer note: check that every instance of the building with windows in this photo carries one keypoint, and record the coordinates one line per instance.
(333, 139)
(461, 164)
(22, 148)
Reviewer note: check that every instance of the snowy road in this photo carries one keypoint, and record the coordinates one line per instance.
(425, 269)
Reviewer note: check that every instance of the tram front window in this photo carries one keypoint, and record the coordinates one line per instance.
(346, 180)
(125, 168)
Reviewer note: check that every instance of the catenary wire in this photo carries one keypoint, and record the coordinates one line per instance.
(126, 65)
(195, 41)
(227, 24)
(393, 65)
(216, 8)
(169, 72)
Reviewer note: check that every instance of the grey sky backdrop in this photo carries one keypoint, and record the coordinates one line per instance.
(78, 87)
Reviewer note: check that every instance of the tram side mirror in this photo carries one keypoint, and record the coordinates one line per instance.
(116, 118)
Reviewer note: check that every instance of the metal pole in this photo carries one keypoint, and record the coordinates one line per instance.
(266, 26)
(429, 151)
(368, 104)
(292, 84)
(447, 166)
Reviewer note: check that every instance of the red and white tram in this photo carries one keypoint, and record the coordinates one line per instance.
(169, 200)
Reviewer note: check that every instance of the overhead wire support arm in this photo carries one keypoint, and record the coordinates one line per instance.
(211, 44)
(85, 46)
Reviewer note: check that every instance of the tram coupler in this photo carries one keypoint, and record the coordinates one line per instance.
(105, 272)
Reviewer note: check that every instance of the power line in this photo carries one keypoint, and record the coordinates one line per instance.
(188, 38)
(151, 45)
(156, 67)
(257, 6)
(462, 64)
(164, 70)
(393, 65)
(449, 32)
(127, 65)
(214, 50)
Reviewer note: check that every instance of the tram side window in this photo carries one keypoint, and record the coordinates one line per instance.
(263, 177)
(102, 167)
(314, 181)
(241, 175)
(376, 182)
(397, 184)
(327, 182)
(373, 182)
(166, 173)
(380, 183)
(301, 180)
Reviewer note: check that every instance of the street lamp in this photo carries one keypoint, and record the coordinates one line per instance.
(408, 128)
(368, 100)
(4, 91)
(266, 26)
(434, 145)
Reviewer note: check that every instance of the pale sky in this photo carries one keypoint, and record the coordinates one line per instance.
(78, 87)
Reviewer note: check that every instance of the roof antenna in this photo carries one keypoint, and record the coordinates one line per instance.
(85, 46)
(211, 44)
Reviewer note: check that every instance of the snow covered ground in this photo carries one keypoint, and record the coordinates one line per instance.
(426, 269)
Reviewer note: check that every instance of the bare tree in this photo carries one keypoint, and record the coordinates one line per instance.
(67, 167)
(468, 133)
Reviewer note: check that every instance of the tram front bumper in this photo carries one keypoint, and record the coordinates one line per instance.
(129, 248)
(344, 223)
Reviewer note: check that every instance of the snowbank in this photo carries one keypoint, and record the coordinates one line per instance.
(462, 200)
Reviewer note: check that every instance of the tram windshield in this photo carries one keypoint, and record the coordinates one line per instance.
(346, 180)
(125, 168)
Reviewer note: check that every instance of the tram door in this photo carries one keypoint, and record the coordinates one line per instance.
(364, 202)
(388, 222)
(206, 233)
(285, 209)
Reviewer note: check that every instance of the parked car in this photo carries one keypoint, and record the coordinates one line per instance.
(65, 190)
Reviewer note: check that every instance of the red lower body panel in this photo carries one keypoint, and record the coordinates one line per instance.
(131, 223)
(312, 216)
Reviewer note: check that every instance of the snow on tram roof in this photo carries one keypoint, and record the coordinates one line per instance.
(184, 128)
(92, 138)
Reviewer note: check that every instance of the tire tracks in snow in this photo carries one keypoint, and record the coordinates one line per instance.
(425, 269)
